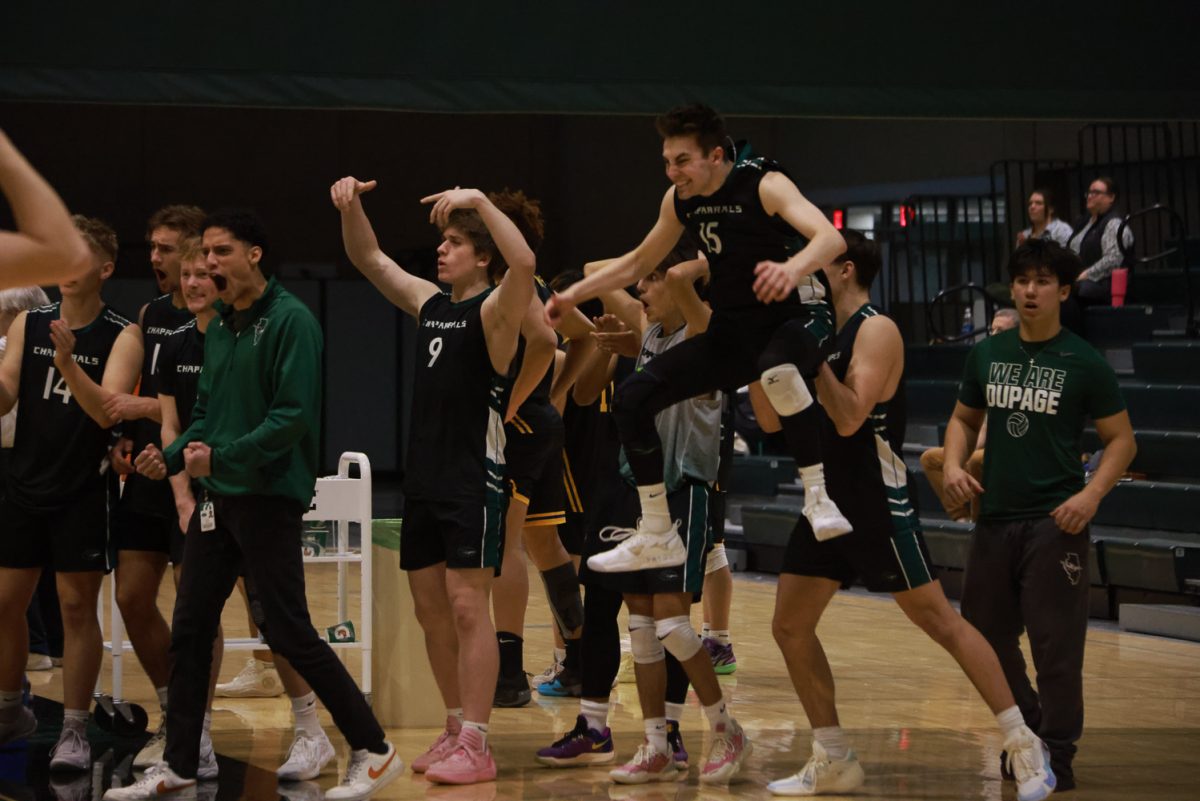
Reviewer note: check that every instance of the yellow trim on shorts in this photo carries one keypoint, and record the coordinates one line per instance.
(573, 500)
(516, 495)
(521, 425)
(546, 519)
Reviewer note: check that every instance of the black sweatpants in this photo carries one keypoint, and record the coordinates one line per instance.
(1029, 575)
(260, 534)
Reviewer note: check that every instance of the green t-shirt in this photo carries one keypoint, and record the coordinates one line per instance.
(1037, 396)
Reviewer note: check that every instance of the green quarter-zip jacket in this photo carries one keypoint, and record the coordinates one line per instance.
(258, 405)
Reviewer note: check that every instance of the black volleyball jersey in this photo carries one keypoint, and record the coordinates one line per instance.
(737, 233)
(180, 366)
(541, 393)
(591, 448)
(456, 445)
(58, 451)
(868, 465)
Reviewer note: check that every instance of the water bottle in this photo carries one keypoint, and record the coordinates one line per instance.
(968, 323)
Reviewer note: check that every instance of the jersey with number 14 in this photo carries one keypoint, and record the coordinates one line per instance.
(737, 233)
(58, 451)
(456, 446)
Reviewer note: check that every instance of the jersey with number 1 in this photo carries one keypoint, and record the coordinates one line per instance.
(736, 234)
(456, 437)
(59, 452)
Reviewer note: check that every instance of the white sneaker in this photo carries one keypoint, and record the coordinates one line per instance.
(1029, 760)
(152, 751)
(206, 768)
(307, 756)
(72, 751)
(38, 662)
(639, 549)
(16, 723)
(256, 680)
(823, 515)
(366, 774)
(548, 675)
(821, 776)
(159, 781)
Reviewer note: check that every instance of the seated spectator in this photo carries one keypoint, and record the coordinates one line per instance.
(933, 460)
(1095, 241)
(1042, 220)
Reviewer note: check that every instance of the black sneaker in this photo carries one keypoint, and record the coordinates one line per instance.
(512, 691)
(1065, 775)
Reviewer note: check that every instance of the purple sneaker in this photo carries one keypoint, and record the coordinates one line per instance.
(580, 746)
(675, 741)
(723, 660)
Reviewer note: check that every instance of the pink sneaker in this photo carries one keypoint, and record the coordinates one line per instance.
(729, 748)
(440, 749)
(647, 765)
(469, 762)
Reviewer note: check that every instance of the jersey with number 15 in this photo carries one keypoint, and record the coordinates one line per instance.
(58, 451)
(456, 446)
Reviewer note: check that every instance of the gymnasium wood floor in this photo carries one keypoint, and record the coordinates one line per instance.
(917, 725)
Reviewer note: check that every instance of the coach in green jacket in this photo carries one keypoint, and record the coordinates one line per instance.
(253, 446)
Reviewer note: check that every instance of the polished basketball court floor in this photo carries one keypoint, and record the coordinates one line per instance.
(916, 723)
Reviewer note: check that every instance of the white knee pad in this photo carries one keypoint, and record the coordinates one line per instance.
(717, 559)
(643, 640)
(785, 388)
(678, 637)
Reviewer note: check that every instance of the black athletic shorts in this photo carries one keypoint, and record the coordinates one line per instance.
(887, 553)
(133, 530)
(463, 535)
(534, 463)
(73, 538)
(689, 508)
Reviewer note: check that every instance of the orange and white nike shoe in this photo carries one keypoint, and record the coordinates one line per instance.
(367, 774)
(157, 782)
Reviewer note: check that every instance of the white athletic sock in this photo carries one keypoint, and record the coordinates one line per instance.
(833, 740)
(704, 631)
(656, 734)
(207, 722)
(9, 700)
(304, 710)
(595, 713)
(161, 692)
(560, 654)
(456, 714)
(721, 636)
(75, 719)
(718, 714)
(1010, 720)
(813, 475)
(674, 711)
(656, 516)
(474, 735)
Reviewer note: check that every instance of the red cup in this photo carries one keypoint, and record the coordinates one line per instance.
(1120, 282)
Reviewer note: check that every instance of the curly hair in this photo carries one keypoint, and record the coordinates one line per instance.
(524, 211)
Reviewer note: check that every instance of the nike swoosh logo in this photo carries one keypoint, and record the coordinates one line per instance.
(375, 774)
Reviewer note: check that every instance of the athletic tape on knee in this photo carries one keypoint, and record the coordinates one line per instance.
(717, 559)
(785, 388)
(678, 637)
(562, 591)
(643, 640)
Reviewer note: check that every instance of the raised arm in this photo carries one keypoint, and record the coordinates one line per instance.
(577, 329)
(403, 289)
(120, 371)
(619, 302)
(624, 270)
(871, 377)
(540, 347)
(46, 248)
(681, 283)
(10, 366)
(775, 281)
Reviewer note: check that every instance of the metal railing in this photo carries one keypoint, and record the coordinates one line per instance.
(1174, 255)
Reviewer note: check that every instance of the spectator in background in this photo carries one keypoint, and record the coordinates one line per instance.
(1042, 220)
(933, 461)
(1095, 242)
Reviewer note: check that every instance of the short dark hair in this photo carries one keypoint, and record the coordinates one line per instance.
(1047, 199)
(187, 220)
(242, 223)
(1044, 257)
(699, 121)
(865, 255)
(99, 235)
(1109, 184)
(591, 308)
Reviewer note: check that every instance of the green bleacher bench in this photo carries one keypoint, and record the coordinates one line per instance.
(1151, 505)
(1161, 563)
(759, 475)
(1162, 455)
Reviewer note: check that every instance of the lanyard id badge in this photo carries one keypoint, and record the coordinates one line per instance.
(208, 515)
